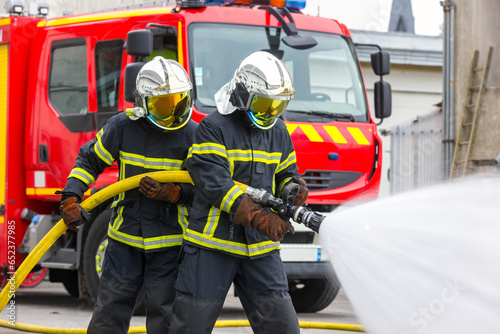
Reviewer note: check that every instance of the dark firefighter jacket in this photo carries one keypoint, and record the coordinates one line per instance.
(226, 148)
(138, 147)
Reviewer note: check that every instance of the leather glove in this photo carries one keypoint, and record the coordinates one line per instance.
(168, 192)
(250, 214)
(73, 214)
(301, 197)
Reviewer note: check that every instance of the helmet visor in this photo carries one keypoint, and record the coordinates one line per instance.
(264, 111)
(171, 111)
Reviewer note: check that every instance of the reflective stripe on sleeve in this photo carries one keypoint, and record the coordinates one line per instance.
(231, 196)
(82, 175)
(101, 151)
(207, 148)
(287, 163)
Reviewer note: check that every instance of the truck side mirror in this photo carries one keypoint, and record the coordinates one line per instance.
(381, 63)
(383, 100)
(130, 76)
(139, 43)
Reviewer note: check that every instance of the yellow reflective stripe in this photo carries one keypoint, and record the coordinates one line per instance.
(212, 221)
(290, 160)
(5, 21)
(231, 246)
(151, 163)
(163, 241)
(239, 155)
(268, 158)
(4, 89)
(208, 148)
(82, 175)
(121, 176)
(282, 184)
(358, 136)
(107, 16)
(42, 191)
(48, 191)
(180, 53)
(311, 133)
(182, 217)
(119, 218)
(231, 196)
(335, 134)
(145, 243)
(101, 151)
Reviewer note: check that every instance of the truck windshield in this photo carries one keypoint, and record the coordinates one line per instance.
(327, 80)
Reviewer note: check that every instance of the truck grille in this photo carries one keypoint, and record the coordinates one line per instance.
(298, 238)
(324, 180)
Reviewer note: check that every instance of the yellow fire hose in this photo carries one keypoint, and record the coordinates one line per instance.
(88, 204)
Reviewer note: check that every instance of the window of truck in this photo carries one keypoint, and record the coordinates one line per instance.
(327, 79)
(108, 63)
(68, 79)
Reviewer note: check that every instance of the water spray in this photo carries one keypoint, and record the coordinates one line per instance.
(285, 207)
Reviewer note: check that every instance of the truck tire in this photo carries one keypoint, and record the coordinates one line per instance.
(69, 279)
(313, 294)
(93, 256)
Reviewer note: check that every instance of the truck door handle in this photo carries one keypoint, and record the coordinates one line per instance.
(43, 153)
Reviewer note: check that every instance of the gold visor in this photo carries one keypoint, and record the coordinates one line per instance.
(170, 111)
(264, 111)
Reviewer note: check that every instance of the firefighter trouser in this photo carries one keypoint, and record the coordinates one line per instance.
(125, 271)
(205, 277)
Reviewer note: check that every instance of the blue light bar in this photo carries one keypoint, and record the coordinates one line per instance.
(296, 4)
(218, 2)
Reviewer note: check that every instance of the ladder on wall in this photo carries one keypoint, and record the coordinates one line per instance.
(471, 107)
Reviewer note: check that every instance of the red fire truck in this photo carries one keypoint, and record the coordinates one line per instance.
(62, 78)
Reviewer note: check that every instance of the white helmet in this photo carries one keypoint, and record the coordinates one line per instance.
(165, 90)
(263, 87)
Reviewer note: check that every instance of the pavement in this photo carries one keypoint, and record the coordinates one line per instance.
(48, 304)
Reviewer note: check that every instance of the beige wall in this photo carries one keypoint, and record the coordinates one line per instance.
(477, 26)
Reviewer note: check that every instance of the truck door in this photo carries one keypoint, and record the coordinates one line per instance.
(60, 118)
(79, 91)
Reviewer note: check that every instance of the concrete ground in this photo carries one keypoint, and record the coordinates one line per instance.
(48, 304)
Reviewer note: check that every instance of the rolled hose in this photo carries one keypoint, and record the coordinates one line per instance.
(88, 204)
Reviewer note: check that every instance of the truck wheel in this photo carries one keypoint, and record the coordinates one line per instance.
(34, 278)
(93, 257)
(313, 295)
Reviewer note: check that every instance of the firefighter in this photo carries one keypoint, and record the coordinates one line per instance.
(231, 239)
(148, 223)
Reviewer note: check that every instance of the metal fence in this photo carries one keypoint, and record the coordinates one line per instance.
(417, 153)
